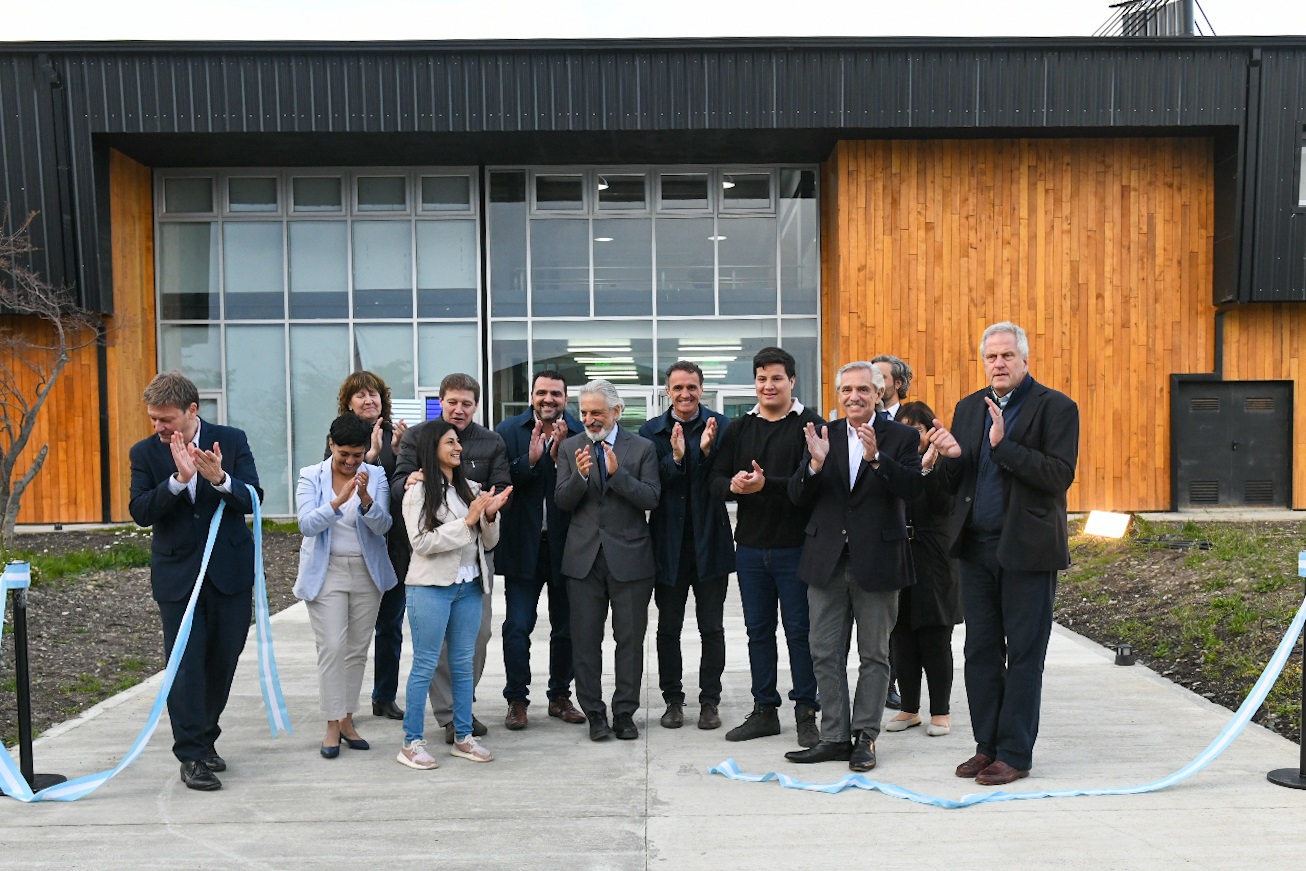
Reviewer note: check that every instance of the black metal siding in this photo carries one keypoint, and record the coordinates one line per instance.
(296, 103)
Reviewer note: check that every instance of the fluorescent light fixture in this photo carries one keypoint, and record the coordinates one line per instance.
(716, 238)
(1107, 524)
(597, 349)
(711, 347)
(603, 361)
(602, 238)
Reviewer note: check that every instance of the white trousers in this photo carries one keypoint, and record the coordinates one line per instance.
(343, 617)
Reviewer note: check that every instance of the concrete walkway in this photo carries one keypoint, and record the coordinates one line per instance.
(552, 799)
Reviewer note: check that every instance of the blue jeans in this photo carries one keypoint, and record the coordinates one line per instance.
(434, 614)
(769, 577)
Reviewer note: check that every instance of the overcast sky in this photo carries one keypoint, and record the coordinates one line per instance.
(537, 19)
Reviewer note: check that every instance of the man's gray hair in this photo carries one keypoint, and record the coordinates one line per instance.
(1022, 340)
(901, 371)
(877, 378)
(606, 389)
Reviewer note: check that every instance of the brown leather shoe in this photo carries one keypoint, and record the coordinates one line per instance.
(564, 710)
(708, 717)
(974, 765)
(999, 773)
(516, 718)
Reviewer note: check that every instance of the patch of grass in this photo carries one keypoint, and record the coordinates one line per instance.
(133, 663)
(125, 683)
(85, 683)
(127, 552)
(9, 685)
(280, 526)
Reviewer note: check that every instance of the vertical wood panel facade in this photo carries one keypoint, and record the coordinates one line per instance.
(67, 489)
(1100, 248)
(1268, 342)
(131, 354)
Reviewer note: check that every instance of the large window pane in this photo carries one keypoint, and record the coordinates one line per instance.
(319, 363)
(194, 351)
(445, 348)
(747, 273)
(800, 263)
(446, 269)
(446, 193)
(801, 337)
(188, 271)
(724, 349)
(509, 370)
(560, 268)
(319, 269)
(684, 191)
(619, 351)
(253, 270)
(383, 269)
(507, 235)
(621, 192)
(387, 350)
(256, 403)
(685, 267)
(623, 266)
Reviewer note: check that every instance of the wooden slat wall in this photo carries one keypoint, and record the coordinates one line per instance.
(1268, 342)
(131, 355)
(67, 489)
(1100, 248)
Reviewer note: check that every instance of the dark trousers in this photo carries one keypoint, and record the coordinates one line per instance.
(203, 683)
(522, 595)
(590, 597)
(1008, 622)
(928, 649)
(709, 609)
(768, 577)
(388, 645)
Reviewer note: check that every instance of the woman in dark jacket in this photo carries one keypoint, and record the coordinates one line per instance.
(927, 611)
(366, 395)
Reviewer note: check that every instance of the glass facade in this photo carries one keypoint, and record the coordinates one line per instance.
(274, 284)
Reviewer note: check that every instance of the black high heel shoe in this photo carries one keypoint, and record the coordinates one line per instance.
(330, 752)
(355, 743)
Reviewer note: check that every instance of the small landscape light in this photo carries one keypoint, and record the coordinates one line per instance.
(1107, 524)
(1124, 653)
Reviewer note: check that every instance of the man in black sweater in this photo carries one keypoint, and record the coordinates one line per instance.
(759, 452)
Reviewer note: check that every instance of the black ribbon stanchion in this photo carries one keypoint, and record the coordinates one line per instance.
(1289, 777)
(24, 686)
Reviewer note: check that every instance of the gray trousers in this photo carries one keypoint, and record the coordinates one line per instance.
(441, 691)
(590, 597)
(832, 611)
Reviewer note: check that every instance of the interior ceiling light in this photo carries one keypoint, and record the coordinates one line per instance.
(602, 238)
(716, 238)
(603, 183)
(727, 182)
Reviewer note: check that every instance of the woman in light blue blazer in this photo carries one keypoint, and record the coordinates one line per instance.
(344, 514)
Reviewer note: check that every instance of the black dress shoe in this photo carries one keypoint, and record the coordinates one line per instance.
(894, 699)
(329, 752)
(358, 743)
(599, 728)
(624, 727)
(196, 775)
(387, 709)
(213, 761)
(863, 755)
(839, 751)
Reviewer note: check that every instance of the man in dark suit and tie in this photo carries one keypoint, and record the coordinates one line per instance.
(179, 477)
(855, 476)
(608, 479)
(529, 554)
(1010, 457)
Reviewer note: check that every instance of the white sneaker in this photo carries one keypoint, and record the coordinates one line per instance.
(470, 748)
(414, 755)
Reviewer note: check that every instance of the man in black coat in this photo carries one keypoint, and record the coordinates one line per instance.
(691, 537)
(179, 477)
(855, 475)
(529, 555)
(1010, 457)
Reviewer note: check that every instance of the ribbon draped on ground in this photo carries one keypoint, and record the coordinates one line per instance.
(1241, 718)
(19, 576)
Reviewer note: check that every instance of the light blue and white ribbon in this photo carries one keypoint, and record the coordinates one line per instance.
(19, 575)
(1232, 730)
